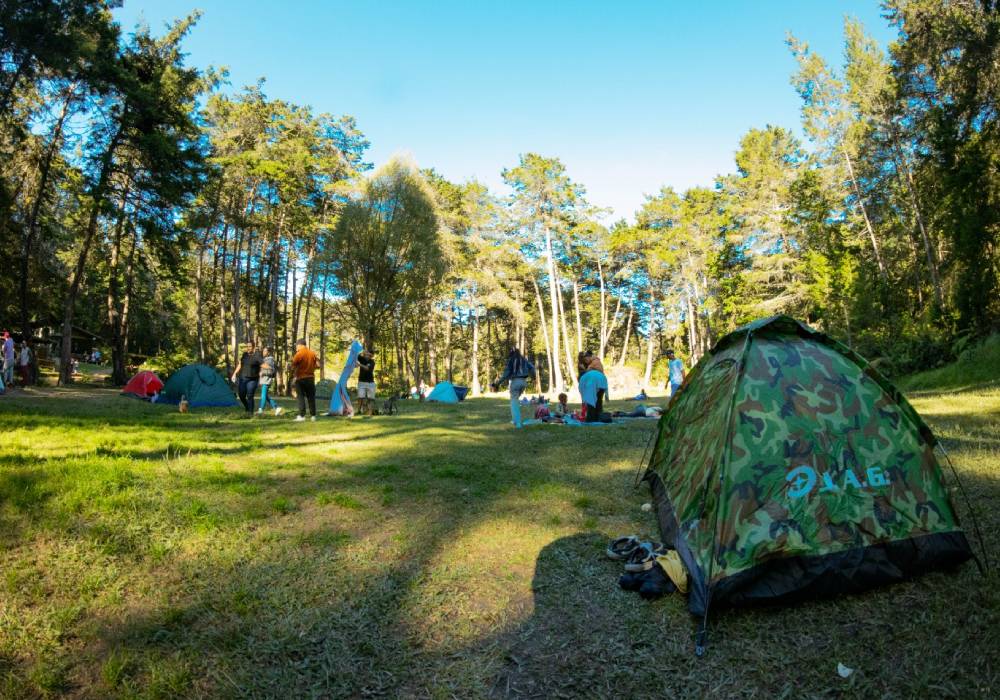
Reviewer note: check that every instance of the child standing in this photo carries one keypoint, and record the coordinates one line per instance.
(268, 370)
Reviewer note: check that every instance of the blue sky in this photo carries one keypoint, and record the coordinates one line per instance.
(630, 95)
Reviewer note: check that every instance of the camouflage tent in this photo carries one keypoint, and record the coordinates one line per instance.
(787, 467)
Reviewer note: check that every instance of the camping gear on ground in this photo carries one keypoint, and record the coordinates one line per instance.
(622, 548)
(143, 385)
(446, 392)
(651, 583)
(201, 385)
(183, 405)
(786, 468)
(340, 401)
(671, 563)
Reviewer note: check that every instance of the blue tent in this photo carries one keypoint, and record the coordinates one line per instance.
(444, 392)
(340, 402)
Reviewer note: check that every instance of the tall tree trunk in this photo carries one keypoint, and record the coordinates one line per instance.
(431, 350)
(113, 305)
(907, 180)
(223, 338)
(553, 386)
(652, 337)
(448, 346)
(322, 323)
(97, 198)
(612, 324)
(550, 262)
(570, 364)
(31, 230)
(127, 304)
(476, 386)
(604, 312)
(579, 325)
(864, 214)
(692, 330)
(628, 333)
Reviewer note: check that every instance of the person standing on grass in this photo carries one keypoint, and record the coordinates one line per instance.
(25, 363)
(366, 381)
(8, 359)
(516, 371)
(247, 373)
(675, 372)
(268, 371)
(304, 364)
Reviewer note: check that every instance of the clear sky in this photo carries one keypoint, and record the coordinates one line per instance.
(630, 95)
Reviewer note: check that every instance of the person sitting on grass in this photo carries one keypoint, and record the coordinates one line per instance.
(304, 364)
(562, 408)
(516, 372)
(593, 390)
(542, 412)
(268, 371)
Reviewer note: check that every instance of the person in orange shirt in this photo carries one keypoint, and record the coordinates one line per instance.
(304, 364)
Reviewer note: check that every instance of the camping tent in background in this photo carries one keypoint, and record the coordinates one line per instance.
(202, 386)
(786, 467)
(325, 388)
(143, 385)
(340, 402)
(446, 392)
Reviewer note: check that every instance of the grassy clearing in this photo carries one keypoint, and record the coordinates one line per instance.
(979, 365)
(438, 553)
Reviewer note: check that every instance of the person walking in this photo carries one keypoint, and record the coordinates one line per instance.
(268, 371)
(304, 364)
(675, 372)
(366, 381)
(516, 372)
(247, 374)
(8, 359)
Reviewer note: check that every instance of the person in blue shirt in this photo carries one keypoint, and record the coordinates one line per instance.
(516, 371)
(675, 372)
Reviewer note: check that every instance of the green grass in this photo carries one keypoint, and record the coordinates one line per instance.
(438, 553)
(978, 365)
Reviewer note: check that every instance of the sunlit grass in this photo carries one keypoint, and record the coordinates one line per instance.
(437, 553)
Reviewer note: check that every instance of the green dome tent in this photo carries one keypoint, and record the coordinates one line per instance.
(202, 386)
(786, 467)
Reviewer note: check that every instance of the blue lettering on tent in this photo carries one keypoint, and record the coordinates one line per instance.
(803, 479)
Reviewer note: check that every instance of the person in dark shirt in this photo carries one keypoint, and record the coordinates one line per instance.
(366, 381)
(247, 374)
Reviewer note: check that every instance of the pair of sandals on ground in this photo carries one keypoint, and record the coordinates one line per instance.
(643, 573)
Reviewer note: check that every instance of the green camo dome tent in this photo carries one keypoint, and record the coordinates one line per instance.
(202, 386)
(786, 467)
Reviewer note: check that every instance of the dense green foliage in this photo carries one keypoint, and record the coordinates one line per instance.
(149, 209)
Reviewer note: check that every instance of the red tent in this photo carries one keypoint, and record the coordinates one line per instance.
(143, 385)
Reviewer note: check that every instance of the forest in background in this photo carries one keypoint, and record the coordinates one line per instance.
(146, 202)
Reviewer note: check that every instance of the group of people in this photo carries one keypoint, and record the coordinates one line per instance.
(591, 380)
(16, 357)
(258, 368)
